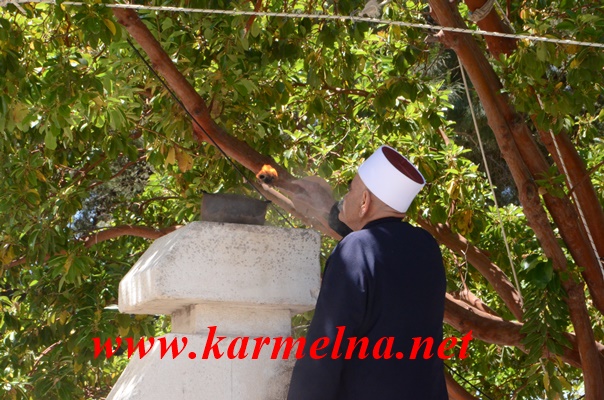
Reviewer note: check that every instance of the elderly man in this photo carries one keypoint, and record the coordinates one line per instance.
(384, 280)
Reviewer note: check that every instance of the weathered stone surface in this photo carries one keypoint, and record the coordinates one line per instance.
(207, 262)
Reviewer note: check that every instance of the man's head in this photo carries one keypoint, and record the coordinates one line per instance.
(385, 186)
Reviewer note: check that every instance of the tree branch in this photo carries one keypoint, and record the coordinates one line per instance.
(492, 23)
(127, 230)
(111, 233)
(251, 19)
(42, 354)
(456, 391)
(286, 204)
(203, 125)
(324, 86)
(89, 167)
(491, 329)
(472, 300)
(118, 173)
(492, 273)
(564, 214)
(577, 180)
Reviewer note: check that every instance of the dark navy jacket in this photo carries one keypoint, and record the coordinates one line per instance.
(386, 280)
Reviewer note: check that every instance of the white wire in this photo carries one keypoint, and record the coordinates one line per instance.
(486, 167)
(325, 17)
(3, 3)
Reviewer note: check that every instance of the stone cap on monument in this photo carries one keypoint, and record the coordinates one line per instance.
(228, 264)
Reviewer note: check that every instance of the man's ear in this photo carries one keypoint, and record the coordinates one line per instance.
(365, 203)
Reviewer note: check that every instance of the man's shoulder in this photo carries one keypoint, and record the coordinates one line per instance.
(384, 234)
(355, 239)
(350, 241)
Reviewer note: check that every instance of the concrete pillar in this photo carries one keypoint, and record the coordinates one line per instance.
(244, 280)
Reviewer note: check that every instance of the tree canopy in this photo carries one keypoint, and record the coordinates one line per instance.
(114, 123)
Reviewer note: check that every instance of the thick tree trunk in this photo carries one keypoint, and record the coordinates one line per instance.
(565, 215)
(505, 122)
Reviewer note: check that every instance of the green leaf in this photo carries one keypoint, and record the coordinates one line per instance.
(567, 25)
(50, 140)
(541, 274)
(110, 25)
(531, 262)
(255, 30)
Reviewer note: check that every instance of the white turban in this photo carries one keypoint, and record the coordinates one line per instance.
(391, 178)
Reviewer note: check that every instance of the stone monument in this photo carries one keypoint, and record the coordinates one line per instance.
(219, 279)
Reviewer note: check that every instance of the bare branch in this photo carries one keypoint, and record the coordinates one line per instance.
(479, 260)
(491, 329)
(127, 230)
(203, 125)
(250, 21)
(471, 299)
(42, 354)
(110, 233)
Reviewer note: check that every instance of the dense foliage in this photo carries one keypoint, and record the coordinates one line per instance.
(90, 140)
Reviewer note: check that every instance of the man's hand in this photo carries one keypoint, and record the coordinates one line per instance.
(311, 197)
(314, 197)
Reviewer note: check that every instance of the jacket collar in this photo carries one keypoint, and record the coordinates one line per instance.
(381, 221)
